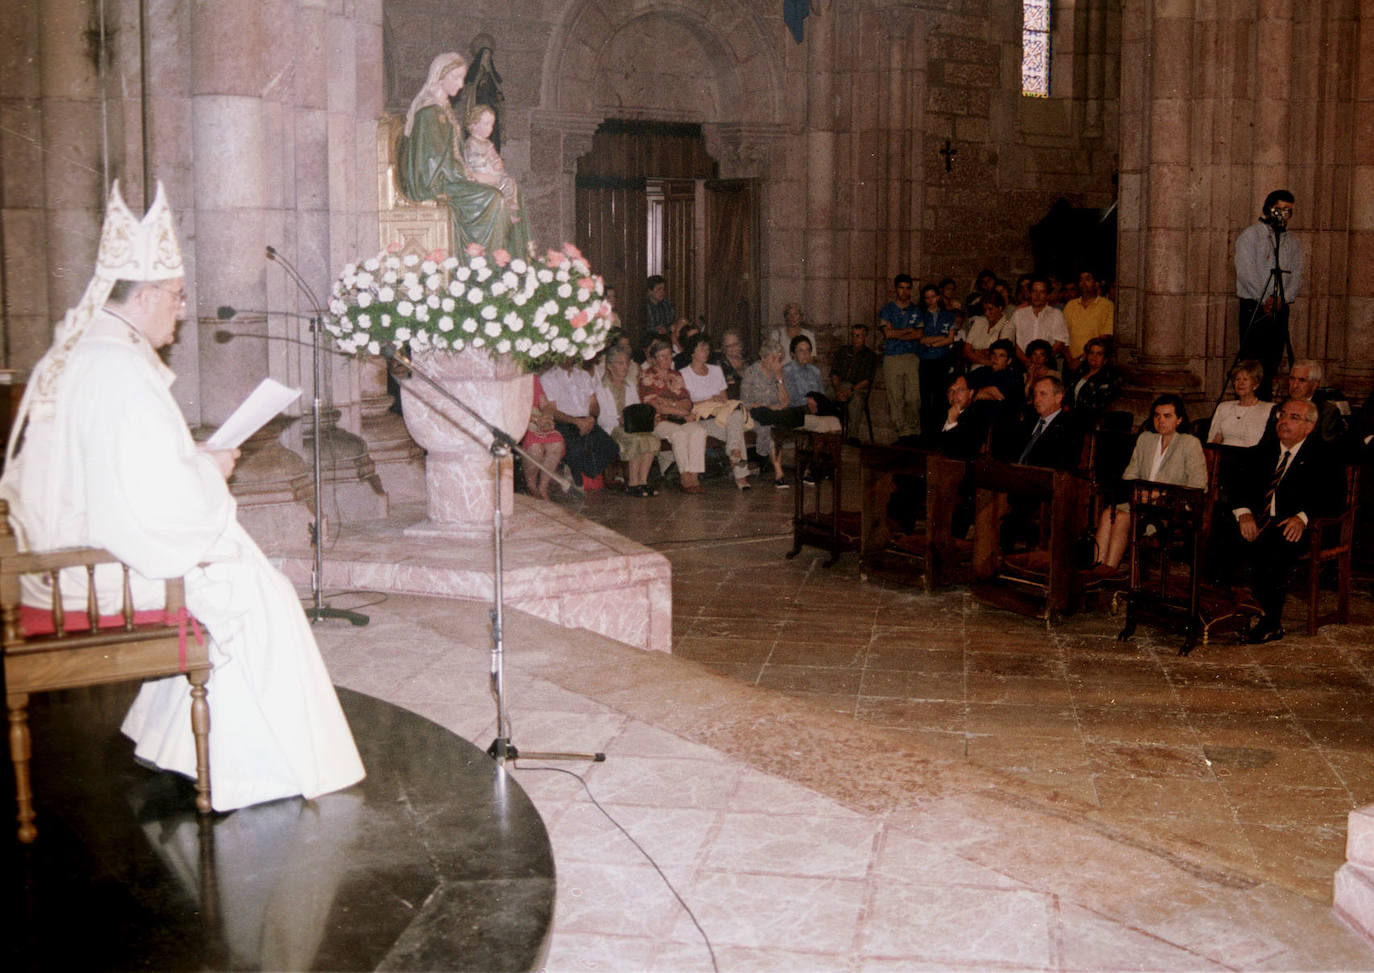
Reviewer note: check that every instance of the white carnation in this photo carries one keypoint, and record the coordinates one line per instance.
(402, 334)
(478, 342)
(386, 294)
(371, 264)
(545, 276)
(405, 309)
(503, 347)
(483, 273)
(539, 349)
(390, 277)
(489, 313)
(364, 298)
(428, 267)
(422, 313)
(450, 263)
(477, 263)
(549, 307)
(519, 299)
(374, 348)
(338, 307)
(475, 296)
(560, 344)
(469, 325)
(562, 274)
(511, 280)
(492, 328)
(565, 291)
(463, 273)
(410, 260)
(364, 321)
(519, 266)
(433, 301)
(522, 345)
(580, 335)
(446, 323)
(348, 347)
(448, 304)
(583, 295)
(415, 293)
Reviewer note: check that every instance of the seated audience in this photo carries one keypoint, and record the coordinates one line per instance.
(706, 384)
(572, 390)
(793, 326)
(661, 386)
(614, 392)
(764, 393)
(803, 377)
(1304, 381)
(949, 298)
(983, 287)
(1088, 316)
(732, 361)
(937, 353)
(1039, 320)
(543, 442)
(965, 429)
(985, 328)
(1039, 362)
(1168, 454)
(1047, 437)
(1242, 422)
(851, 377)
(683, 331)
(1096, 383)
(998, 388)
(1290, 478)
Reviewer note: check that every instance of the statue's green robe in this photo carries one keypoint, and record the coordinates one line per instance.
(427, 169)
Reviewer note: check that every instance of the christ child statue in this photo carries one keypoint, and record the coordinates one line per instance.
(483, 161)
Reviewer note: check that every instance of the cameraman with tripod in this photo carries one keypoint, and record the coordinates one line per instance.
(1268, 274)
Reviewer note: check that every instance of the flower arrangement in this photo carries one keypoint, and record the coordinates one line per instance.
(535, 312)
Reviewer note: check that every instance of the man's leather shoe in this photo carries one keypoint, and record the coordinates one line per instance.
(1264, 633)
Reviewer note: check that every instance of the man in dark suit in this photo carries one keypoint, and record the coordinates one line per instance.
(1046, 439)
(1289, 479)
(965, 428)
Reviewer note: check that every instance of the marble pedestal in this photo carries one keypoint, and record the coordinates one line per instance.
(558, 566)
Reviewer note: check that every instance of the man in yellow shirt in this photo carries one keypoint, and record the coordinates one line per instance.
(1090, 315)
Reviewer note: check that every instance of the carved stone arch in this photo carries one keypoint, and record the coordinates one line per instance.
(746, 70)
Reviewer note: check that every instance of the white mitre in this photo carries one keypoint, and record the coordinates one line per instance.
(130, 249)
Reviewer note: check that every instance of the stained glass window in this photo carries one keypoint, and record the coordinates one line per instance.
(1035, 48)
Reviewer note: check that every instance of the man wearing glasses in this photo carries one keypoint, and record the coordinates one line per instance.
(1291, 478)
(1263, 310)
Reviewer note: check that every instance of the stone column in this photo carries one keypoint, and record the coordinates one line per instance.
(823, 300)
(237, 166)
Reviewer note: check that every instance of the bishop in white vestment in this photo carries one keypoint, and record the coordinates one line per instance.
(102, 457)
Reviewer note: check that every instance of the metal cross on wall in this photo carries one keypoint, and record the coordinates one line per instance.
(949, 152)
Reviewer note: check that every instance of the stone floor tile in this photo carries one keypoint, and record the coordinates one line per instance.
(958, 924)
(763, 911)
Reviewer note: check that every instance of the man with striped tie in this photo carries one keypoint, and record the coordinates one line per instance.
(1291, 479)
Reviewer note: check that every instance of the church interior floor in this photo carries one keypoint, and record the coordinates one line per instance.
(844, 775)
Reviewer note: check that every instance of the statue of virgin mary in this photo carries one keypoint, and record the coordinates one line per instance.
(430, 166)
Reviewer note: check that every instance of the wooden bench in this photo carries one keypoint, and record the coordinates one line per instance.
(47, 649)
(928, 555)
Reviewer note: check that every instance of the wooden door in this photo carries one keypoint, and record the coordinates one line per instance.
(731, 257)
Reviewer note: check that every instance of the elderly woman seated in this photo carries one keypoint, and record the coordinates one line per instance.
(764, 393)
(661, 386)
(706, 385)
(614, 392)
(1168, 454)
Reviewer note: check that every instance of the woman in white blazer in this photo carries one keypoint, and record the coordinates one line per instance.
(1166, 455)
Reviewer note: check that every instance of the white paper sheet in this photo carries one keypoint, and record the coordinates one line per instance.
(265, 401)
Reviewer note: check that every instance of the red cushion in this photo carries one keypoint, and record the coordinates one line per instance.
(38, 621)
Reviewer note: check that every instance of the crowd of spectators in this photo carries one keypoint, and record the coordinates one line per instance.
(1024, 373)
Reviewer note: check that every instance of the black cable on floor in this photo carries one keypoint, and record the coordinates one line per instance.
(647, 857)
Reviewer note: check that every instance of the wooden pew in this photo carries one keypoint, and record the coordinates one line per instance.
(930, 554)
(1041, 582)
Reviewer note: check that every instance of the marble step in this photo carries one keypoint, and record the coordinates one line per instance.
(1359, 841)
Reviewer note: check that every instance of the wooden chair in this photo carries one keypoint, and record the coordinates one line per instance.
(1329, 540)
(1041, 582)
(836, 529)
(928, 555)
(1171, 532)
(47, 649)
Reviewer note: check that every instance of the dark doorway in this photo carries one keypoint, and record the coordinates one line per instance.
(648, 201)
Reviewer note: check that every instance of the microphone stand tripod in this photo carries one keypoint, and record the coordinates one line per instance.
(319, 610)
(502, 445)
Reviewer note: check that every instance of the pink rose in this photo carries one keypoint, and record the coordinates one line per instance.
(572, 251)
(393, 247)
(437, 255)
(553, 258)
(587, 283)
(502, 257)
(474, 250)
(579, 320)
